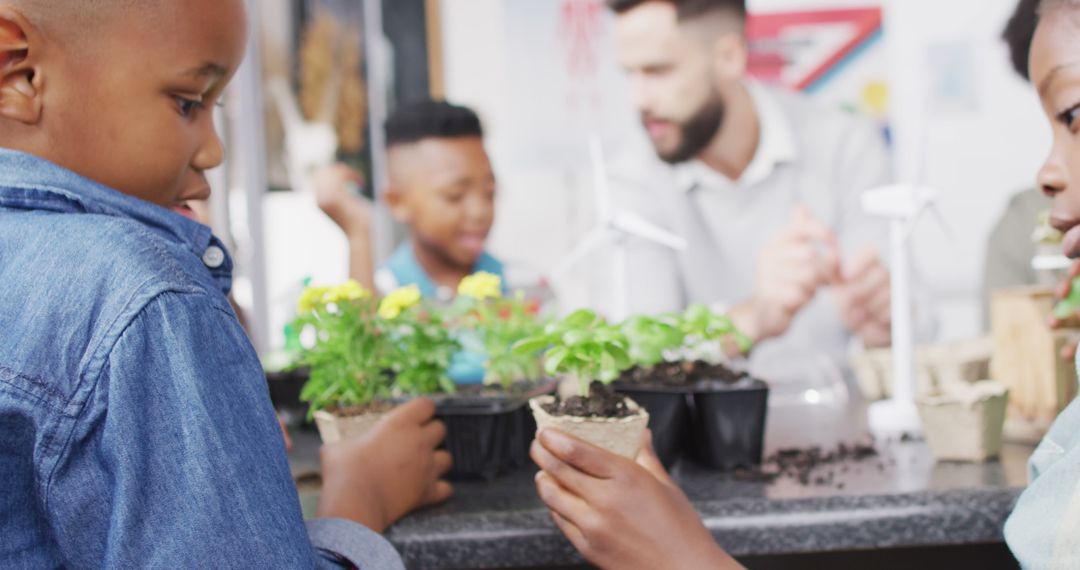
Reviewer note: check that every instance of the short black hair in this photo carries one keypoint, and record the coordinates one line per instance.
(685, 9)
(420, 120)
(1019, 32)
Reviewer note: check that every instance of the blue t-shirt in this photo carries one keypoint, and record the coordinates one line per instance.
(402, 269)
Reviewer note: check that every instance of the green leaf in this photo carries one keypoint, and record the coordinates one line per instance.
(1068, 306)
(554, 358)
(575, 337)
(580, 319)
(531, 346)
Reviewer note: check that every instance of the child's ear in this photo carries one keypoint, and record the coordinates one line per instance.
(395, 201)
(20, 80)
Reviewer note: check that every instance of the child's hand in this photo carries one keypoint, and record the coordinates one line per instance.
(620, 513)
(863, 296)
(351, 212)
(393, 469)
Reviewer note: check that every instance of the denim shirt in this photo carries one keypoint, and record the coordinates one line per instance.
(135, 426)
(1043, 530)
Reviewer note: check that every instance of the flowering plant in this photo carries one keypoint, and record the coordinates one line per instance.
(345, 358)
(419, 346)
(499, 322)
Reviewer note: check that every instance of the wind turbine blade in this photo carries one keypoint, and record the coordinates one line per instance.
(634, 225)
(593, 241)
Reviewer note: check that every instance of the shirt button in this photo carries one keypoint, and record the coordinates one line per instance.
(214, 257)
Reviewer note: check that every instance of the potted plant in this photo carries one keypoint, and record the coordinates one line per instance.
(586, 348)
(489, 428)
(681, 375)
(418, 344)
(347, 387)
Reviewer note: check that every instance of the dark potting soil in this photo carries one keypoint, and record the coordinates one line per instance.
(809, 466)
(519, 388)
(679, 373)
(602, 402)
(376, 407)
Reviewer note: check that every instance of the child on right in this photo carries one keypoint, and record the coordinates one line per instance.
(586, 487)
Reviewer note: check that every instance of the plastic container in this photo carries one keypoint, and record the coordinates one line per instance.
(488, 435)
(729, 423)
(285, 387)
(670, 417)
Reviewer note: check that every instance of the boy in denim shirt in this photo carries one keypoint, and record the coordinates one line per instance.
(135, 428)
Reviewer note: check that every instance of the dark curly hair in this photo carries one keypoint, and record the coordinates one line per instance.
(420, 120)
(1018, 33)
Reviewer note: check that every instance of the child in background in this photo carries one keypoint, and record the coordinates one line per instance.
(442, 187)
(135, 427)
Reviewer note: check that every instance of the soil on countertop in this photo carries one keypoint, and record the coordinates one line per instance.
(810, 466)
(603, 402)
(679, 374)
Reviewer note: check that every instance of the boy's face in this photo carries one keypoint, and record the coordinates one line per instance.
(1055, 70)
(133, 109)
(444, 190)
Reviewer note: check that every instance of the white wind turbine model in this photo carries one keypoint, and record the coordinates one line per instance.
(614, 229)
(902, 205)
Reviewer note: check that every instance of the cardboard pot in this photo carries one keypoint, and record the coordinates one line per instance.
(334, 428)
(621, 436)
(965, 425)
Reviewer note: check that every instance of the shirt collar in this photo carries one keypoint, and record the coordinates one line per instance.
(29, 182)
(776, 146)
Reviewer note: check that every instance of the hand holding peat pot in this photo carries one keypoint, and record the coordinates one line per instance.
(583, 345)
(863, 296)
(394, 468)
(618, 512)
(790, 269)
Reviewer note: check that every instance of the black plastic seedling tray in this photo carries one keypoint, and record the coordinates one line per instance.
(719, 424)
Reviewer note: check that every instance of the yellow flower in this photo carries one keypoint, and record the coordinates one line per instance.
(311, 299)
(481, 286)
(350, 290)
(402, 298)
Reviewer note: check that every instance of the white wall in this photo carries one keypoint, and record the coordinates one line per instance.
(979, 151)
(977, 156)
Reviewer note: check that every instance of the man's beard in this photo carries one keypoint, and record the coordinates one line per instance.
(696, 132)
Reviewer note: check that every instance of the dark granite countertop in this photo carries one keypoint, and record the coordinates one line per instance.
(899, 498)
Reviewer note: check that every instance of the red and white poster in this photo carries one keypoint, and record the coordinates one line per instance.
(834, 53)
